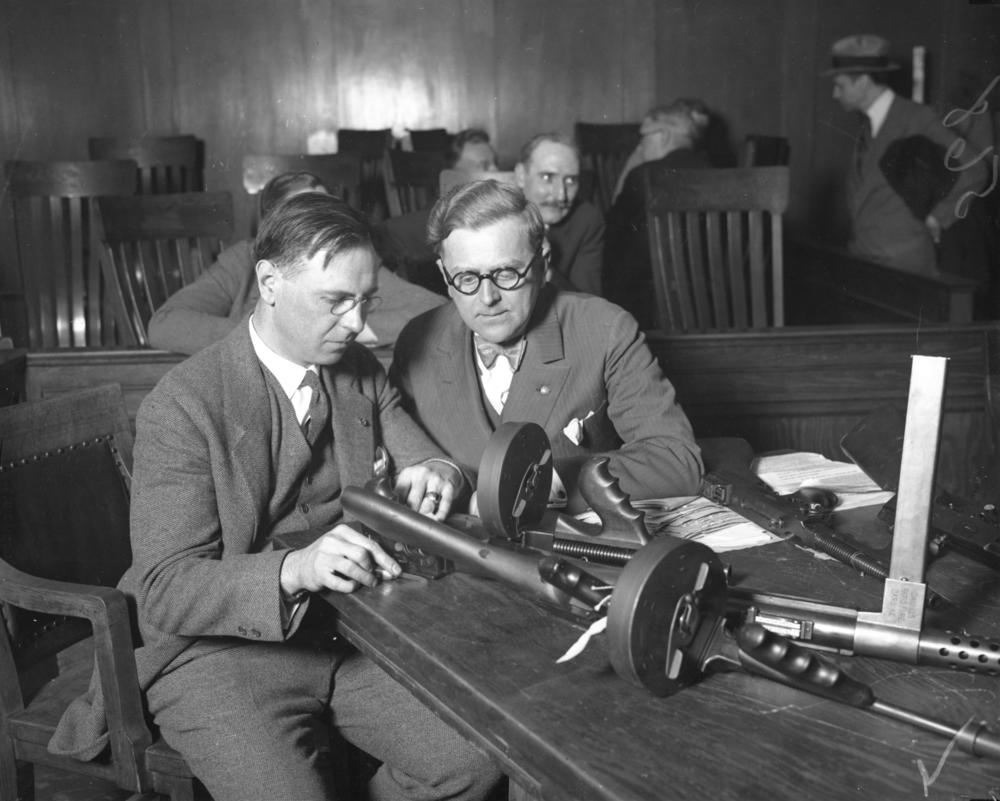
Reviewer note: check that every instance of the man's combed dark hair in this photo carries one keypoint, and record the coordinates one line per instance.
(478, 204)
(302, 226)
(285, 184)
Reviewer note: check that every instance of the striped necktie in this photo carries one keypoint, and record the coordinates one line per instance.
(318, 416)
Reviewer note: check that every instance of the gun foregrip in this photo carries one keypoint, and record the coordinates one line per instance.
(771, 655)
(601, 490)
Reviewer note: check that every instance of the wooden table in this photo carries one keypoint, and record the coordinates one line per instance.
(484, 659)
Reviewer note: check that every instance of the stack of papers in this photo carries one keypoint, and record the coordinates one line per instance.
(699, 519)
(787, 472)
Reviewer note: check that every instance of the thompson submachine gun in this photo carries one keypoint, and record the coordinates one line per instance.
(669, 617)
(515, 476)
(517, 532)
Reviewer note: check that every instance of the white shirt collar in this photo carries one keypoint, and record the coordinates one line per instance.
(878, 110)
(288, 373)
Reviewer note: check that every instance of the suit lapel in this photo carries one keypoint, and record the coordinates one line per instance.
(248, 410)
(460, 397)
(351, 415)
(543, 373)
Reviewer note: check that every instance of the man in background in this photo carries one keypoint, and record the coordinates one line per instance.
(511, 346)
(401, 241)
(902, 189)
(548, 172)
(669, 137)
(210, 307)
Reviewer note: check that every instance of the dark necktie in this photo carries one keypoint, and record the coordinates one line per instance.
(318, 416)
(863, 142)
(489, 352)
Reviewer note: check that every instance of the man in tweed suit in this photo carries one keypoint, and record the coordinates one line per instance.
(512, 347)
(253, 438)
(884, 227)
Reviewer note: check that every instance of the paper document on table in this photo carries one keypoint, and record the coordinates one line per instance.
(697, 518)
(787, 472)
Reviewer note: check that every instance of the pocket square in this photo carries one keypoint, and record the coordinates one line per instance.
(574, 428)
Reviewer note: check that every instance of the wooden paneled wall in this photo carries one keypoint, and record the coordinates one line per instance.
(263, 75)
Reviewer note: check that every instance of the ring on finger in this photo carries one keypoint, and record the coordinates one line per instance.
(433, 496)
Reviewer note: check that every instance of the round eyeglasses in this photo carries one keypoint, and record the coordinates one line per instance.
(468, 282)
(343, 305)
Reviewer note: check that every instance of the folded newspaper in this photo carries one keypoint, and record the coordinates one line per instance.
(697, 518)
(721, 529)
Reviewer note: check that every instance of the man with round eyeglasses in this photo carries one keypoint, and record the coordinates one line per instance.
(248, 441)
(513, 347)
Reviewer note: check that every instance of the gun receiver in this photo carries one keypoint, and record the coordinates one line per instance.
(746, 494)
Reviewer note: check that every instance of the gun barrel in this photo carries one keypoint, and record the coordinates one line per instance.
(398, 522)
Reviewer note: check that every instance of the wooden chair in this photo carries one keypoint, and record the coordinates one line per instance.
(64, 484)
(604, 149)
(156, 244)
(715, 239)
(167, 164)
(765, 151)
(339, 172)
(430, 140)
(57, 250)
(412, 180)
(371, 146)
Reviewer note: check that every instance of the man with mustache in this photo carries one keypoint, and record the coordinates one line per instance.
(548, 172)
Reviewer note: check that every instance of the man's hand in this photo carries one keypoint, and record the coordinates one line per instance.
(340, 560)
(429, 488)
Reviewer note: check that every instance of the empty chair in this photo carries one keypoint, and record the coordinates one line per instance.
(604, 149)
(339, 172)
(64, 481)
(715, 239)
(412, 180)
(764, 151)
(57, 250)
(371, 146)
(166, 163)
(156, 244)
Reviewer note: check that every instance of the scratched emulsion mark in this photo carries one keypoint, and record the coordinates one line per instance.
(957, 148)
(929, 779)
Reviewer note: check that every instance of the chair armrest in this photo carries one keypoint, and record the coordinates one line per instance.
(93, 602)
(107, 610)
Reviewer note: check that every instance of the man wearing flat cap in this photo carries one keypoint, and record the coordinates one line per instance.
(896, 221)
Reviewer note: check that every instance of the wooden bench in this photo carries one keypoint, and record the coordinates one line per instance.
(795, 388)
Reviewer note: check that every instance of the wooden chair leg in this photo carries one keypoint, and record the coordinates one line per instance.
(17, 779)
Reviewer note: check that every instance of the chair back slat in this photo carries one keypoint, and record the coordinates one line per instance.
(723, 293)
(156, 244)
(339, 172)
(412, 180)
(167, 164)
(56, 228)
(735, 275)
(758, 275)
(721, 267)
(695, 265)
(604, 149)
